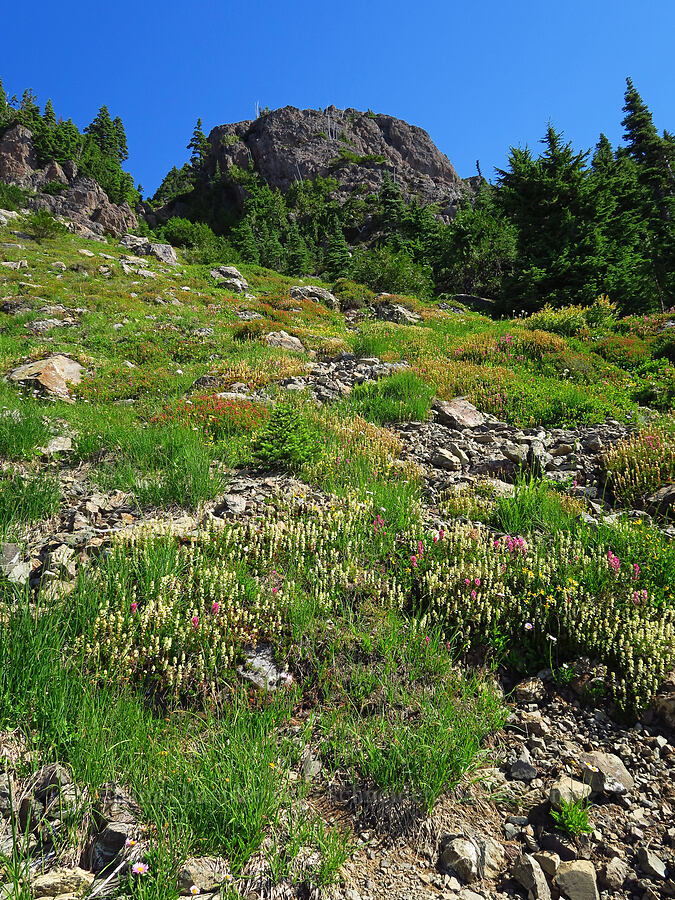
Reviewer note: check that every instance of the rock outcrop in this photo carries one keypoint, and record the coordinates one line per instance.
(358, 149)
(82, 200)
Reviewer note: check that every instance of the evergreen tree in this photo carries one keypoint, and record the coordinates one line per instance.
(199, 146)
(4, 106)
(297, 253)
(49, 116)
(391, 205)
(102, 132)
(477, 250)
(245, 242)
(336, 260)
(29, 111)
(122, 150)
(551, 203)
(626, 271)
(653, 156)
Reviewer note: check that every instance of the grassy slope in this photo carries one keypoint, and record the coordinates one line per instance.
(370, 626)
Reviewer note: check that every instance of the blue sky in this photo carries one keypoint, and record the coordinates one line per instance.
(478, 76)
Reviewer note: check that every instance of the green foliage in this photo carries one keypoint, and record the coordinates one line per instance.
(98, 152)
(399, 398)
(198, 238)
(393, 272)
(43, 225)
(11, 196)
(22, 430)
(26, 498)
(572, 817)
(351, 294)
(54, 188)
(289, 438)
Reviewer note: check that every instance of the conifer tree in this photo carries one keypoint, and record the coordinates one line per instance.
(551, 203)
(122, 150)
(336, 260)
(653, 156)
(29, 111)
(49, 116)
(199, 145)
(102, 132)
(245, 241)
(391, 204)
(297, 253)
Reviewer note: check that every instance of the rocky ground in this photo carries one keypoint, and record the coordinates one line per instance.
(494, 838)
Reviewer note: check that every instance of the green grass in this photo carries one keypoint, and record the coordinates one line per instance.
(403, 397)
(370, 610)
(26, 498)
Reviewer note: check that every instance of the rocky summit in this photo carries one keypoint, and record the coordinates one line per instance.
(289, 145)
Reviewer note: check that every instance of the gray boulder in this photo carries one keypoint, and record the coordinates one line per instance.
(311, 292)
(529, 874)
(284, 341)
(458, 413)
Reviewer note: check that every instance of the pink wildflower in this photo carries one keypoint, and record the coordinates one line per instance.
(195, 621)
(134, 607)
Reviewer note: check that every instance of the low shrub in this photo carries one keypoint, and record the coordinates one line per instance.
(251, 331)
(627, 351)
(218, 417)
(42, 225)
(544, 600)
(575, 321)
(640, 464)
(352, 295)
(54, 188)
(664, 346)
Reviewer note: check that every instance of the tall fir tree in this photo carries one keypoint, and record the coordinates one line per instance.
(49, 116)
(551, 203)
(121, 138)
(653, 156)
(199, 146)
(336, 260)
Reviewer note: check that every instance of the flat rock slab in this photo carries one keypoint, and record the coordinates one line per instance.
(54, 374)
(458, 413)
(576, 880)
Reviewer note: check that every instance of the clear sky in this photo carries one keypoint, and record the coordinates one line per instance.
(478, 76)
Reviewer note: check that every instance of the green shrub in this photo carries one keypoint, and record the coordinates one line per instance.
(54, 188)
(42, 225)
(250, 331)
(575, 321)
(352, 295)
(664, 346)
(641, 463)
(288, 439)
(11, 197)
(390, 271)
(203, 245)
